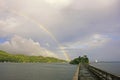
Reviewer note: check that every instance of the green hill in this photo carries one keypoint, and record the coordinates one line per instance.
(6, 57)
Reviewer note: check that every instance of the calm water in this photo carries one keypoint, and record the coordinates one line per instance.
(36, 71)
(111, 67)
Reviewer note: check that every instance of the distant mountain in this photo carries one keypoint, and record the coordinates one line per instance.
(6, 57)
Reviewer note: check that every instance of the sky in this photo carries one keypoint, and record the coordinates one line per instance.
(63, 29)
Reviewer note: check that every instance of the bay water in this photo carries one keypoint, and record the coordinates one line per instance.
(111, 67)
(36, 71)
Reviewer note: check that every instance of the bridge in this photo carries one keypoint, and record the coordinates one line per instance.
(88, 72)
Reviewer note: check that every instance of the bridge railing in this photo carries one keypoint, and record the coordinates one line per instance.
(102, 75)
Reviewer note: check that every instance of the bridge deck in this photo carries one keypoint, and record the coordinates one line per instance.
(84, 74)
(93, 73)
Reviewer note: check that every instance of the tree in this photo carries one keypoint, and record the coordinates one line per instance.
(80, 59)
(6, 57)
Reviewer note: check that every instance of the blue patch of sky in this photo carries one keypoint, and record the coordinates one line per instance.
(116, 38)
(113, 37)
(3, 39)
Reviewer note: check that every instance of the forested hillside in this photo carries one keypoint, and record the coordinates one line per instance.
(6, 57)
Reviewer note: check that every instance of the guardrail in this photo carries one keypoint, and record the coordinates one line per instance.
(102, 75)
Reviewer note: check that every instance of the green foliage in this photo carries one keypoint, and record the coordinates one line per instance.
(78, 60)
(5, 57)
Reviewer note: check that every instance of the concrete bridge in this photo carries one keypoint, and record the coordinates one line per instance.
(88, 72)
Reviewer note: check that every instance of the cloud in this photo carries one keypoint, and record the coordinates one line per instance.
(75, 24)
(39, 10)
(94, 41)
(2, 5)
(8, 26)
(84, 17)
(59, 3)
(74, 17)
(16, 25)
(47, 44)
(93, 4)
(20, 45)
(97, 40)
(108, 52)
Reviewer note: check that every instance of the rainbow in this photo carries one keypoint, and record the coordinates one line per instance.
(44, 29)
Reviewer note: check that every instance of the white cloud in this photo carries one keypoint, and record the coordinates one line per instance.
(19, 45)
(17, 25)
(47, 44)
(8, 26)
(39, 10)
(59, 3)
(97, 40)
(2, 4)
(91, 42)
(9, 23)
